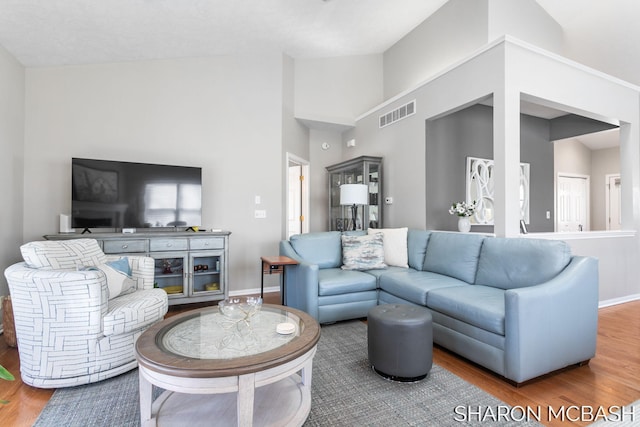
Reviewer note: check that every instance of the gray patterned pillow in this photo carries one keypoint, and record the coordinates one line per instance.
(363, 252)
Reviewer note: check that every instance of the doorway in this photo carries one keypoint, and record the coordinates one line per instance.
(297, 195)
(573, 203)
(612, 200)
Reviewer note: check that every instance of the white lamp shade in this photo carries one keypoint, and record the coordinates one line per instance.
(354, 194)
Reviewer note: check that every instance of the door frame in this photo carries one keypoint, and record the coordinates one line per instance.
(607, 200)
(587, 178)
(305, 196)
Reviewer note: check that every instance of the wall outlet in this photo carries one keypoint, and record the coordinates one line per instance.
(258, 200)
(260, 213)
(548, 214)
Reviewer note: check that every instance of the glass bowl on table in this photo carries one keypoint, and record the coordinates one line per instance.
(240, 308)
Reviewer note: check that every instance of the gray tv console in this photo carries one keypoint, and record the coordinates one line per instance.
(190, 266)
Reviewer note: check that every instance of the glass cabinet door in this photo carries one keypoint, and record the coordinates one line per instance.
(169, 273)
(206, 273)
(335, 209)
(373, 210)
(361, 170)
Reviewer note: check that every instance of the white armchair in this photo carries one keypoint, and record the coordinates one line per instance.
(69, 331)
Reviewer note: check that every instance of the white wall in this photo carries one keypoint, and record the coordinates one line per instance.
(295, 136)
(329, 91)
(453, 32)
(319, 185)
(603, 163)
(12, 160)
(526, 20)
(571, 156)
(459, 28)
(513, 72)
(337, 90)
(609, 54)
(223, 114)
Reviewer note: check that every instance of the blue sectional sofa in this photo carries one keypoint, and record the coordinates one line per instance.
(520, 307)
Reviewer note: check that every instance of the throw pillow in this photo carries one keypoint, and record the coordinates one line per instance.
(62, 254)
(395, 245)
(121, 264)
(118, 281)
(363, 252)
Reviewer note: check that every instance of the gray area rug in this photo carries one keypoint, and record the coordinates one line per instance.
(345, 392)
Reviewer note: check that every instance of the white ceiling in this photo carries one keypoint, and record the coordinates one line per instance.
(64, 32)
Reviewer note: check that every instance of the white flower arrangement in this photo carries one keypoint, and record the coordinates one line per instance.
(463, 209)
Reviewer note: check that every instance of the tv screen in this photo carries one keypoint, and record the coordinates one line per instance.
(114, 194)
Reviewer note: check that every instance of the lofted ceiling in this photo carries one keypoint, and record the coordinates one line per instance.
(64, 32)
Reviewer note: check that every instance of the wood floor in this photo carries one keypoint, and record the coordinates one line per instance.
(611, 379)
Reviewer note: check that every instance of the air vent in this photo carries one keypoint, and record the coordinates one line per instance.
(399, 113)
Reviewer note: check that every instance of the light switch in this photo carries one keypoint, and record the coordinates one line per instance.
(260, 213)
(258, 200)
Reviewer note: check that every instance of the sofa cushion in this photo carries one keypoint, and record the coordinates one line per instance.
(335, 281)
(414, 286)
(379, 273)
(118, 280)
(363, 252)
(62, 254)
(417, 247)
(481, 306)
(454, 254)
(134, 311)
(510, 263)
(323, 248)
(395, 245)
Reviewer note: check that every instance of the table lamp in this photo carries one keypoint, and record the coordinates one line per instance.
(354, 195)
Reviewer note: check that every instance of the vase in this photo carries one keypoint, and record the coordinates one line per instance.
(464, 224)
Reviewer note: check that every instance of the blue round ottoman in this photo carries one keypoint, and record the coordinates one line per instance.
(400, 341)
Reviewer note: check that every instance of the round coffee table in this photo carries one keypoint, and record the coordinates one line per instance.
(258, 376)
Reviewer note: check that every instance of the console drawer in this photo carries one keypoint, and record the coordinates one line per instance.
(207, 243)
(168, 244)
(123, 246)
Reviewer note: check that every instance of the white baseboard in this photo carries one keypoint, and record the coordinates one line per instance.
(254, 291)
(616, 301)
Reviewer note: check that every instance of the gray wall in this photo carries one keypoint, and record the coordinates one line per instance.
(457, 30)
(452, 33)
(469, 132)
(224, 114)
(537, 150)
(12, 86)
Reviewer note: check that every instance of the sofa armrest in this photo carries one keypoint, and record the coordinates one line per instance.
(46, 302)
(554, 324)
(301, 282)
(142, 270)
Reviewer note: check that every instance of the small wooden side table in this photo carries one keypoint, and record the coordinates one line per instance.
(275, 265)
(8, 322)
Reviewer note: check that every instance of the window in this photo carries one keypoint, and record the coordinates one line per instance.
(172, 204)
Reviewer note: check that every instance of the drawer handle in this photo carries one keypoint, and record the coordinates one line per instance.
(206, 243)
(125, 246)
(169, 245)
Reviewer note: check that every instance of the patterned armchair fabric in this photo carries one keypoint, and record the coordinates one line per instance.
(68, 330)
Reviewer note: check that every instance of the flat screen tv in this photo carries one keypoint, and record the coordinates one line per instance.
(114, 194)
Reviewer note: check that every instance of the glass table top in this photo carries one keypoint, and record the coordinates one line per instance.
(203, 343)
(209, 335)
